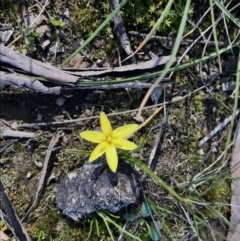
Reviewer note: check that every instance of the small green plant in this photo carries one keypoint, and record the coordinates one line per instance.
(145, 219)
(29, 40)
(153, 231)
(58, 23)
(144, 14)
(42, 236)
(85, 17)
(28, 36)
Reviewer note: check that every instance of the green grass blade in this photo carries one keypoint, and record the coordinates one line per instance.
(151, 75)
(172, 58)
(108, 228)
(90, 229)
(97, 227)
(227, 13)
(108, 219)
(142, 166)
(215, 35)
(141, 144)
(193, 214)
(160, 20)
(154, 28)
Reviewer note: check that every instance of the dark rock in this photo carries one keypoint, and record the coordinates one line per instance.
(94, 187)
(32, 144)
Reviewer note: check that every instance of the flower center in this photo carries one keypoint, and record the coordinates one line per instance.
(109, 139)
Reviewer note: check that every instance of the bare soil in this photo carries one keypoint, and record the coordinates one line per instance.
(177, 159)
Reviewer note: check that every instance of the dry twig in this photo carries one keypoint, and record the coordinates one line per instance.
(120, 30)
(53, 142)
(11, 217)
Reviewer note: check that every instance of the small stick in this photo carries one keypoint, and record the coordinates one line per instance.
(176, 99)
(157, 140)
(173, 39)
(217, 129)
(11, 216)
(7, 132)
(23, 81)
(5, 147)
(134, 85)
(53, 142)
(120, 30)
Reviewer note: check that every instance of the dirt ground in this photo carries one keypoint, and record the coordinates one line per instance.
(178, 158)
(21, 162)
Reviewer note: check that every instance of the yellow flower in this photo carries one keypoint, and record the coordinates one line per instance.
(108, 140)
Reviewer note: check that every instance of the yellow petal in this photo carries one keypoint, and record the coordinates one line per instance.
(124, 144)
(125, 131)
(92, 136)
(98, 151)
(112, 157)
(105, 124)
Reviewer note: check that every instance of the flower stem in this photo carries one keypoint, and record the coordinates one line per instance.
(156, 178)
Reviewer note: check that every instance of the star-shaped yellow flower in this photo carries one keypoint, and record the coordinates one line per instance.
(108, 140)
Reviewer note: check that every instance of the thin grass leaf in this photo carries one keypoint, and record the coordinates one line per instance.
(108, 228)
(155, 74)
(205, 222)
(192, 212)
(154, 206)
(215, 35)
(96, 32)
(97, 227)
(162, 221)
(195, 214)
(142, 166)
(212, 175)
(220, 178)
(171, 60)
(108, 219)
(90, 229)
(141, 144)
(154, 28)
(227, 13)
(110, 214)
(223, 219)
(219, 215)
